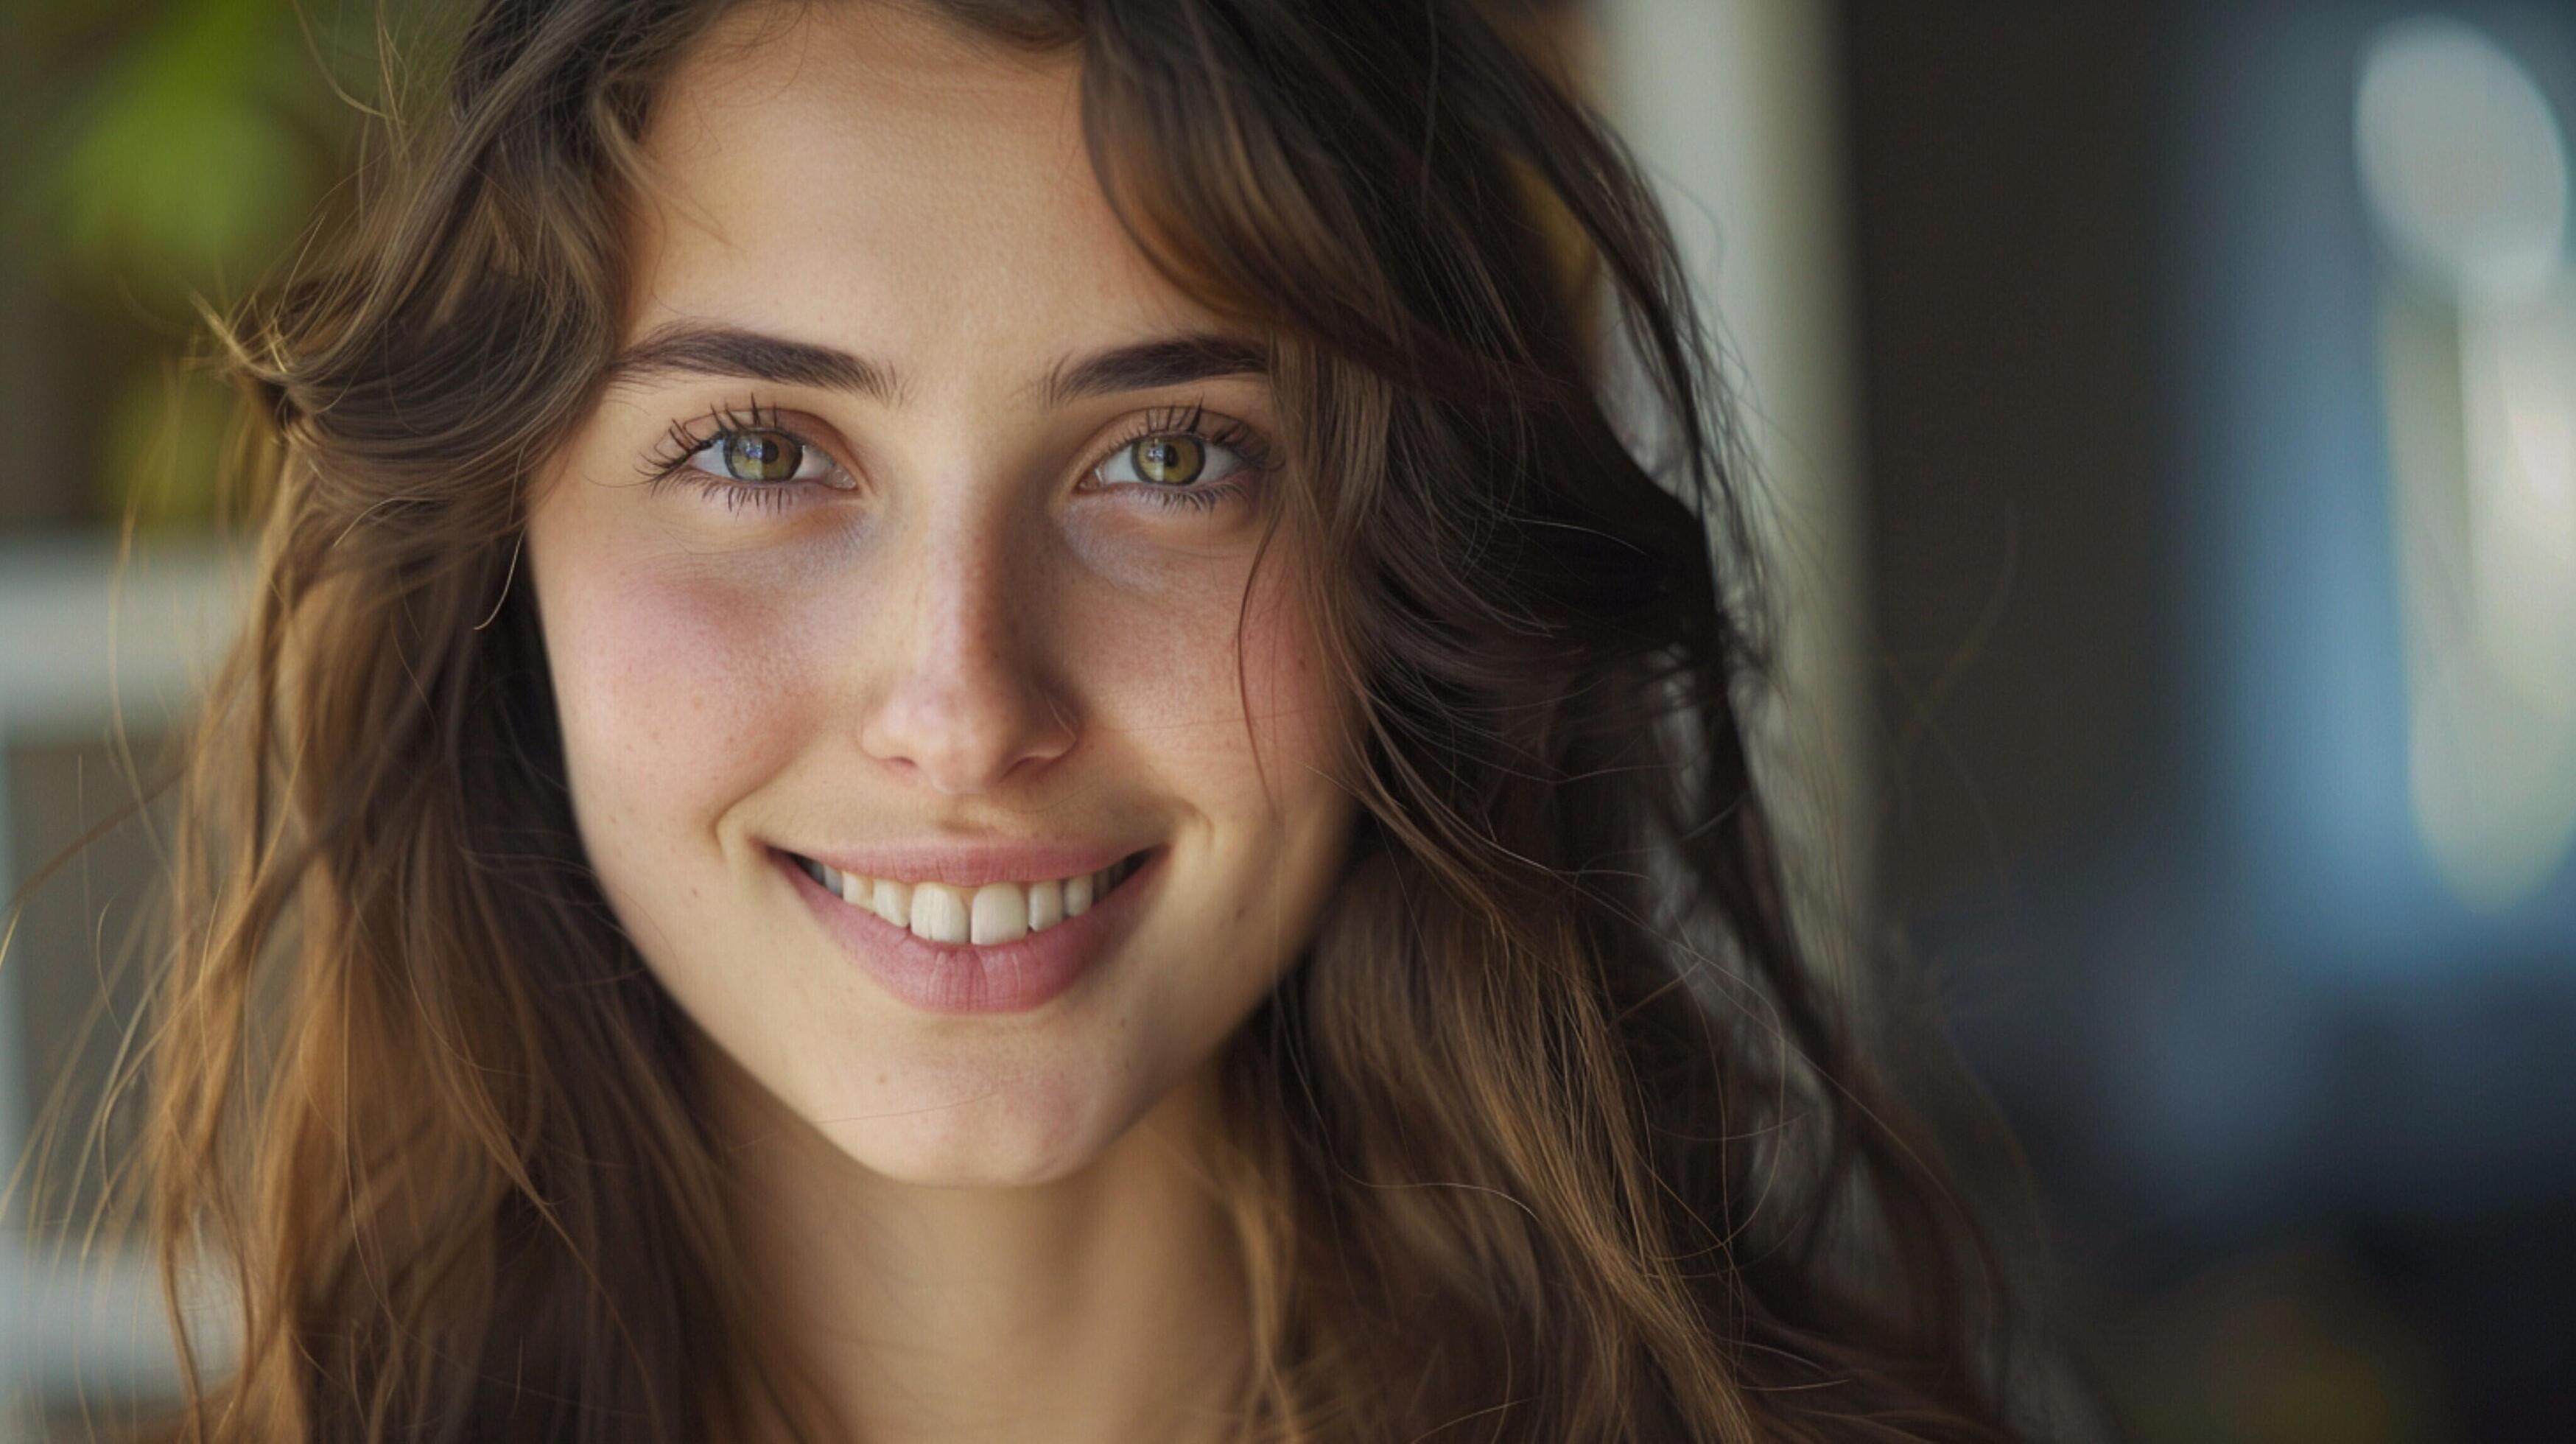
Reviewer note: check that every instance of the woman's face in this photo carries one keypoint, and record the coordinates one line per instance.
(892, 595)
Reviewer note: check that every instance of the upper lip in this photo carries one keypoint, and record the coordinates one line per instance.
(972, 864)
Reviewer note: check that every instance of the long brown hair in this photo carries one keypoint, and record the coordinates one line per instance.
(1551, 1135)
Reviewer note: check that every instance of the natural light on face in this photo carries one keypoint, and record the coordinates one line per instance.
(906, 559)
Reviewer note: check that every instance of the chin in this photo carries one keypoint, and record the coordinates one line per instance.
(1015, 1130)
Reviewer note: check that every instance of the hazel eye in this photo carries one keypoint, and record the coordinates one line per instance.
(759, 456)
(1171, 459)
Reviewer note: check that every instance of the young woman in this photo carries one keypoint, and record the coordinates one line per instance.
(965, 722)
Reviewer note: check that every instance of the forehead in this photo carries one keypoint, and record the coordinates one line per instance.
(869, 176)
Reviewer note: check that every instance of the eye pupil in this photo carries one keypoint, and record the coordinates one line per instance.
(1171, 460)
(761, 456)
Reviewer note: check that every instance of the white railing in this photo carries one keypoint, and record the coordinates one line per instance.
(92, 638)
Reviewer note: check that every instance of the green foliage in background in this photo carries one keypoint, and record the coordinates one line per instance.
(180, 169)
(174, 152)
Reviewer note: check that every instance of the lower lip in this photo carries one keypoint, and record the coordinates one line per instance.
(1010, 977)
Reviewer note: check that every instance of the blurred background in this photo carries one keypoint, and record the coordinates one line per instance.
(2167, 419)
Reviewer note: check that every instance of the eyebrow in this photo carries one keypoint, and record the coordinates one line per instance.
(690, 350)
(686, 350)
(1150, 365)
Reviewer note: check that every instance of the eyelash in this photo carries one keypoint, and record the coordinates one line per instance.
(682, 443)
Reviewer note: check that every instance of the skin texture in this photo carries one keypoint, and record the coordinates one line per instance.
(987, 1223)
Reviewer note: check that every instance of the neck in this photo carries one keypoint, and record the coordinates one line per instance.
(1106, 1305)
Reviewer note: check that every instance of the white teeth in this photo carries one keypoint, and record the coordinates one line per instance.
(1046, 905)
(938, 913)
(1000, 914)
(993, 913)
(892, 901)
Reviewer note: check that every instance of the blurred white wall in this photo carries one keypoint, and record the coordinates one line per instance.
(1733, 106)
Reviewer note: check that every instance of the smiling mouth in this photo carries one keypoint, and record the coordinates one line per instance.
(996, 912)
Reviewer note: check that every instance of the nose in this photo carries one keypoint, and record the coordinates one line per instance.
(967, 699)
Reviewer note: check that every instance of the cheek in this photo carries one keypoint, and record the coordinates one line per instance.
(678, 694)
(1267, 784)
(1298, 713)
(1269, 682)
(1227, 700)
